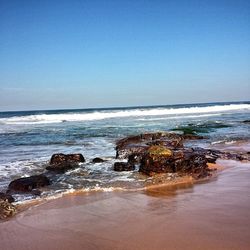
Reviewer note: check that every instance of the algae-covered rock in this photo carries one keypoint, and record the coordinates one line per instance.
(158, 151)
(6, 209)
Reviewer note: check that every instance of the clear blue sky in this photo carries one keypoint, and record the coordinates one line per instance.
(78, 54)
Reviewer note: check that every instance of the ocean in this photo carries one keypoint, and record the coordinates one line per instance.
(29, 138)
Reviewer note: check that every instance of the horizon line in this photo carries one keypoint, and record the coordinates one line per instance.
(128, 107)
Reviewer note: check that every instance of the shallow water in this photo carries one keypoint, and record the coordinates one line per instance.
(29, 138)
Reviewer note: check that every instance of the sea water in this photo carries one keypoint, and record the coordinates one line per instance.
(29, 138)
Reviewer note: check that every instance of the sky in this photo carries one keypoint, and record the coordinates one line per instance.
(89, 53)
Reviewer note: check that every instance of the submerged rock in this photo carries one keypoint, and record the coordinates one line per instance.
(123, 166)
(27, 184)
(6, 209)
(97, 160)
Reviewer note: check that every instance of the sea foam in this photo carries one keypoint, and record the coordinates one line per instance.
(100, 115)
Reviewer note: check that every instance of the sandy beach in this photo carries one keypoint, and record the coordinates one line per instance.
(210, 215)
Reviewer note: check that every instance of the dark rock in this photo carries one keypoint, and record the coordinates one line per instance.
(212, 155)
(165, 153)
(139, 144)
(174, 143)
(194, 164)
(61, 158)
(6, 209)
(123, 166)
(193, 137)
(62, 167)
(6, 197)
(159, 159)
(246, 121)
(134, 159)
(97, 160)
(128, 150)
(63, 162)
(36, 192)
(27, 184)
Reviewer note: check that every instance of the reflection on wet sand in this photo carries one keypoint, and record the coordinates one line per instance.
(211, 215)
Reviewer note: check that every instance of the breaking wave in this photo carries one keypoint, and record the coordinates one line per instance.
(100, 115)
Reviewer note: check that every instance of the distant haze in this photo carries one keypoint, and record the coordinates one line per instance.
(79, 54)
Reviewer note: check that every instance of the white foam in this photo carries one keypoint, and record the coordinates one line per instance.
(57, 118)
(177, 117)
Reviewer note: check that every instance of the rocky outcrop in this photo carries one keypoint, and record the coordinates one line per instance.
(64, 162)
(159, 159)
(27, 184)
(165, 153)
(123, 166)
(139, 144)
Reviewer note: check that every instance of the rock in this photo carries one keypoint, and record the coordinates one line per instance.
(193, 137)
(6, 197)
(6, 209)
(123, 166)
(159, 151)
(27, 184)
(139, 144)
(61, 158)
(64, 162)
(174, 143)
(164, 153)
(97, 160)
(193, 164)
(128, 150)
(134, 159)
(246, 121)
(212, 155)
(163, 160)
(62, 167)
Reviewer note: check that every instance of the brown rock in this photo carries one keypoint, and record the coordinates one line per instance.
(163, 160)
(139, 144)
(123, 166)
(97, 160)
(6, 197)
(6, 209)
(64, 162)
(26, 184)
(62, 167)
(61, 158)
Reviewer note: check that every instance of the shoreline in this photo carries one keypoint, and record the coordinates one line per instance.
(195, 217)
(179, 182)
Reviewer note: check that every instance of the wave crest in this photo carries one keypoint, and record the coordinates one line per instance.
(100, 115)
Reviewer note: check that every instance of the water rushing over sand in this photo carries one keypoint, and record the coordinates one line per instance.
(210, 215)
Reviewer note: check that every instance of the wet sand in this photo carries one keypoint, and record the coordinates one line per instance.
(211, 215)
